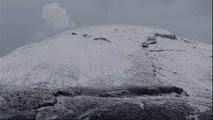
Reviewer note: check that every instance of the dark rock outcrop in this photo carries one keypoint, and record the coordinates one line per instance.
(101, 38)
(125, 103)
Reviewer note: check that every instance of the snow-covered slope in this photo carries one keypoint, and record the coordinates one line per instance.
(108, 72)
(112, 56)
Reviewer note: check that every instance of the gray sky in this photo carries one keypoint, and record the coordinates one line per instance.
(26, 21)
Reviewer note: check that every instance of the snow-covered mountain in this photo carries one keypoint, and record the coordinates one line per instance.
(105, 57)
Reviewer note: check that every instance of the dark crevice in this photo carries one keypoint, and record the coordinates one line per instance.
(62, 93)
(121, 92)
(138, 91)
(147, 43)
(161, 50)
(153, 40)
(70, 93)
(156, 50)
(101, 38)
(46, 104)
(150, 40)
(169, 36)
(73, 33)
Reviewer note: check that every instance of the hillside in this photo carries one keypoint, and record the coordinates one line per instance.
(108, 72)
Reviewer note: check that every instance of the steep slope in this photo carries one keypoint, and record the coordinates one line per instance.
(112, 62)
(68, 59)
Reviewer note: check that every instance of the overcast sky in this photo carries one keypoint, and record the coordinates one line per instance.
(26, 21)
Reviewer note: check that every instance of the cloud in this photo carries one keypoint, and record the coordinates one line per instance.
(55, 15)
(39, 35)
(56, 19)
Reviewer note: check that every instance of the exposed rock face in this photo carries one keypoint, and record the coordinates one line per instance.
(108, 73)
(42, 104)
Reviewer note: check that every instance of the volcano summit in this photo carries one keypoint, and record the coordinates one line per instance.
(108, 73)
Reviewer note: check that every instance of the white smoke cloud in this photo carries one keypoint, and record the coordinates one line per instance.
(57, 16)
